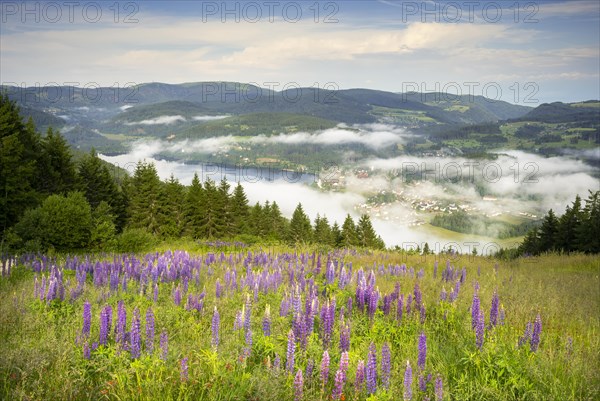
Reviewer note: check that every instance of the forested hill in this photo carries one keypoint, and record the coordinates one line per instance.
(51, 201)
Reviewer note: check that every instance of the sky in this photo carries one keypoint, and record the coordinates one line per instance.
(526, 52)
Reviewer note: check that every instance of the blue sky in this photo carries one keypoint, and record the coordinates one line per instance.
(547, 51)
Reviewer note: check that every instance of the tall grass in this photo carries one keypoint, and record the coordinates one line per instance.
(41, 357)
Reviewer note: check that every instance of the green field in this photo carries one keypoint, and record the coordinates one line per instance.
(42, 341)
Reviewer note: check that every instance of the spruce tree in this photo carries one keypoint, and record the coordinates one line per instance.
(568, 225)
(548, 232)
(300, 227)
(322, 231)
(195, 208)
(365, 233)
(171, 209)
(18, 165)
(145, 198)
(349, 234)
(58, 174)
(239, 211)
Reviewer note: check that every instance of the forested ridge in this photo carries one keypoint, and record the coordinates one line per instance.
(49, 201)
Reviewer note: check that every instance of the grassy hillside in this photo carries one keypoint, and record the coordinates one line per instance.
(167, 348)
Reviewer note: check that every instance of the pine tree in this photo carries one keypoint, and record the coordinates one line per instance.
(212, 224)
(568, 225)
(322, 231)
(255, 220)
(195, 208)
(278, 228)
(588, 233)
(226, 222)
(300, 227)
(349, 234)
(336, 236)
(365, 232)
(58, 174)
(98, 185)
(145, 202)
(18, 165)
(548, 232)
(171, 209)
(239, 210)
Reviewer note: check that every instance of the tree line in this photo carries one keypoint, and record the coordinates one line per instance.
(577, 230)
(49, 200)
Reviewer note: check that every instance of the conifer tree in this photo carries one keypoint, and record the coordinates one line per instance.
(300, 227)
(239, 210)
(171, 208)
(195, 208)
(349, 234)
(58, 174)
(145, 202)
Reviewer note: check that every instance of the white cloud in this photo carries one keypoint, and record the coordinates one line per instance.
(209, 118)
(162, 120)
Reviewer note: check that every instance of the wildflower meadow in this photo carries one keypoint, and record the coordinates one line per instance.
(245, 323)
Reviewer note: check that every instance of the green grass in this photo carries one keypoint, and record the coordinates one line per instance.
(40, 359)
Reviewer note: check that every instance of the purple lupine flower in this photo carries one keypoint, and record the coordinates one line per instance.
(494, 309)
(439, 388)
(422, 383)
(86, 350)
(535, 336)
(527, 335)
(400, 307)
(408, 303)
(149, 330)
(216, 321)
(418, 295)
(277, 362)
(408, 382)
(360, 376)
(371, 372)
(266, 323)
(480, 330)
(183, 372)
(155, 295)
(325, 368)
(121, 325)
(164, 345)
(443, 294)
(298, 386)
(310, 366)
(501, 316)
(291, 350)
(386, 365)
(345, 337)
(422, 351)
(135, 346)
(105, 323)
(475, 306)
(422, 313)
(237, 323)
(87, 319)
(177, 296)
(338, 386)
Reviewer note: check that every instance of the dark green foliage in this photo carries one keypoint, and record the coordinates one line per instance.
(98, 185)
(144, 207)
(61, 222)
(239, 211)
(323, 234)
(18, 165)
(103, 227)
(57, 171)
(194, 208)
(172, 209)
(349, 235)
(577, 230)
(367, 237)
(300, 227)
